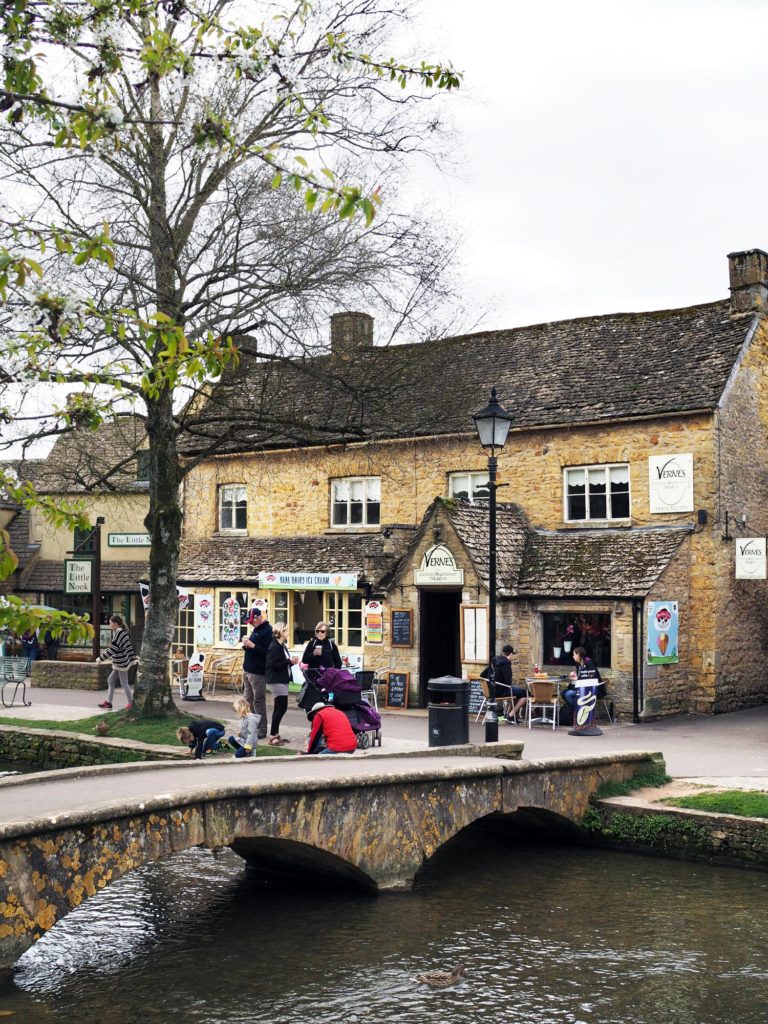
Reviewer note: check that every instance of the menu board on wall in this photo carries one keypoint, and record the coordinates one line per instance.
(402, 627)
(397, 690)
(474, 633)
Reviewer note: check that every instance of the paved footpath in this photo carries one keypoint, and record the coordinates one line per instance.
(725, 750)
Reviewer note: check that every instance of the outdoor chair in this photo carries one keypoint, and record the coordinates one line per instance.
(221, 665)
(14, 673)
(486, 702)
(543, 696)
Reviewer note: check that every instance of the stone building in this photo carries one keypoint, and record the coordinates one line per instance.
(353, 489)
(106, 472)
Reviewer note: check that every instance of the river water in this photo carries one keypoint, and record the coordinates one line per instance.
(547, 935)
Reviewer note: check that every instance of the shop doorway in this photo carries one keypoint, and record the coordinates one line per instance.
(439, 653)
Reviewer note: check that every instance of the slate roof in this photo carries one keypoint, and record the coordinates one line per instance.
(543, 563)
(100, 460)
(564, 372)
(598, 563)
(239, 561)
(116, 577)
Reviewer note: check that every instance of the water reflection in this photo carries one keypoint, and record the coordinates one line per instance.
(547, 935)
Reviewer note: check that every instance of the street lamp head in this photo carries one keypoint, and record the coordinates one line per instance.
(493, 423)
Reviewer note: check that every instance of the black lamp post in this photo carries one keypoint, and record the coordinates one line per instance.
(493, 423)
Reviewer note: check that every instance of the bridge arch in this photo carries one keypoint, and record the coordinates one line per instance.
(373, 827)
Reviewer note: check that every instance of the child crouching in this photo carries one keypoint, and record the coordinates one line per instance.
(245, 742)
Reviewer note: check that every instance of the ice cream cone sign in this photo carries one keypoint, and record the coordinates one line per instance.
(663, 641)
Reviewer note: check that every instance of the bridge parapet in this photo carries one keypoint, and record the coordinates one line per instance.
(370, 822)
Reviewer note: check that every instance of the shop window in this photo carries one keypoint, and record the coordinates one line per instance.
(307, 612)
(356, 501)
(469, 486)
(233, 508)
(344, 614)
(563, 631)
(184, 637)
(233, 607)
(142, 465)
(597, 492)
(83, 543)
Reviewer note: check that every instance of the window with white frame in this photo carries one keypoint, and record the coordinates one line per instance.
(469, 486)
(233, 508)
(356, 501)
(597, 492)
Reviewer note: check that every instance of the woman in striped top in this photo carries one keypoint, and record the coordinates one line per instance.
(122, 654)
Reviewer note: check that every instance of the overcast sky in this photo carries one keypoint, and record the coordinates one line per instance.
(613, 151)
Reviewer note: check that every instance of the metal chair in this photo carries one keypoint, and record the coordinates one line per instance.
(608, 708)
(543, 696)
(367, 682)
(220, 665)
(486, 702)
(15, 672)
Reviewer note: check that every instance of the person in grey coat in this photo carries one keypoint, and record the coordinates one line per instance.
(245, 743)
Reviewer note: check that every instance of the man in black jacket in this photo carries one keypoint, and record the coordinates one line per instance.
(254, 665)
(502, 679)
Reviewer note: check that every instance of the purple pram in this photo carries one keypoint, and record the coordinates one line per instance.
(341, 689)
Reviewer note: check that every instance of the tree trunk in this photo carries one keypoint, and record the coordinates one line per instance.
(153, 686)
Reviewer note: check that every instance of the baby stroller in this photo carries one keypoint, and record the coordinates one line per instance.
(339, 688)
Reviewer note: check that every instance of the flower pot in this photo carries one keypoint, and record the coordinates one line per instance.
(567, 645)
(556, 651)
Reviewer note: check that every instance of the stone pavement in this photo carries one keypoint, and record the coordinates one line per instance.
(725, 750)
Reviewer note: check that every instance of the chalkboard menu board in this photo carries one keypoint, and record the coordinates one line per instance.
(397, 690)
(475, 696)
(402, 627)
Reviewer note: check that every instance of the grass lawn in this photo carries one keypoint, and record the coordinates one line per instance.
(120, 726)
(749, 804)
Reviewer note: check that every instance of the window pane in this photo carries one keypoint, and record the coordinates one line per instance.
(241, 517)
(592, 631)
(458, 485)
(619, 478)
(480, 489)
(341, 490)
(373, 513)
(373, 488)
(357, 490)
(339, 513)
(575, 479)
(577, 506)
(355, 512)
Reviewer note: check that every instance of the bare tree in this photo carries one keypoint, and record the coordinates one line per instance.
(209, 149)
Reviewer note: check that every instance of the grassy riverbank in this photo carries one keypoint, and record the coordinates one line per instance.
(746, 804)
(117, 725)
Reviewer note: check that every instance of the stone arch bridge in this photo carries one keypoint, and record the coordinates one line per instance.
(371, 821)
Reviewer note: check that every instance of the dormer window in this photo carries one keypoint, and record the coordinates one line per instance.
(233, 508)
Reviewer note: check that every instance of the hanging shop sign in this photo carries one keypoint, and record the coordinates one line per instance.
(204, 620)
(129, 540)
(750, 558)
(307, 581)
(374, 622)
(438, 566)
(77, 575)
(670, 483)
(662, 632)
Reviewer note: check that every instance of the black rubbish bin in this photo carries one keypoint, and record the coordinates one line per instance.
(448, 705)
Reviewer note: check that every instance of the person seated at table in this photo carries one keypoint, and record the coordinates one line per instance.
(585, 669)
(515, 697)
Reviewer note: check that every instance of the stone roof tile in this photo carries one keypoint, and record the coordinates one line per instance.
(564, 372)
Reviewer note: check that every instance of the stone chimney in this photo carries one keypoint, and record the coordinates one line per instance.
(749, 281)
(350, 331)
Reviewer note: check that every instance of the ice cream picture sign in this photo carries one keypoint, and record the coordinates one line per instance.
(662, 632)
